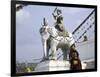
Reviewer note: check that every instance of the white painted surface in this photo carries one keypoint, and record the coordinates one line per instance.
(86, 48)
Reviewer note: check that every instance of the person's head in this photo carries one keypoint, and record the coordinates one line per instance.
(75, 55)
(59, 11)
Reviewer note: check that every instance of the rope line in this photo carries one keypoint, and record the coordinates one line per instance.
(83, 22)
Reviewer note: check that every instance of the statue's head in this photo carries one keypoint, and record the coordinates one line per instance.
(59, 11)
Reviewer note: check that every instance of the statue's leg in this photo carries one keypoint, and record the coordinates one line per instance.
(44, 48)
(48, 48)
(64, 54)
(53, 49)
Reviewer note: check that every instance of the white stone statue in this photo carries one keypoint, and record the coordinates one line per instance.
(52, 41)
(57, 37)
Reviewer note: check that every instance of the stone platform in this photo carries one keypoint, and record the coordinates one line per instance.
(52, 65)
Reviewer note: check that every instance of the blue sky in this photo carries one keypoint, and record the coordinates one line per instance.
(28, 23)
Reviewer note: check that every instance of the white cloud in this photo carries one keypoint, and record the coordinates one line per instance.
(22, 15)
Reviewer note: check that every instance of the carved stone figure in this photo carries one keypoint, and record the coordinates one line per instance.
(52, 41)
(59, 25)
(57, 14)
(56, 37)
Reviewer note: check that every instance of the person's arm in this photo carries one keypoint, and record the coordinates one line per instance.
(54, 15)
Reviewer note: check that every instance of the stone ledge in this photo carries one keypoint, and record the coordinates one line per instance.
(53, 65)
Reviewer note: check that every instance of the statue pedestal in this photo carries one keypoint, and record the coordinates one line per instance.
(52, 65)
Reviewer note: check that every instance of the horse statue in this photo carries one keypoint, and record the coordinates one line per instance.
(52, 41)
